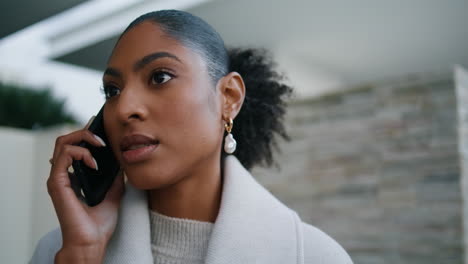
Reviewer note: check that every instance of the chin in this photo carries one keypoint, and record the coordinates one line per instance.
(147, 178)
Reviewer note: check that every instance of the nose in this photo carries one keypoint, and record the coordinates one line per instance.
(130, 106)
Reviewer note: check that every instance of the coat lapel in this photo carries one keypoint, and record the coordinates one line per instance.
(252, 225)
(131, 241)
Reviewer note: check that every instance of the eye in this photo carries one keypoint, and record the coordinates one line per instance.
(110, 91)
(161, 77)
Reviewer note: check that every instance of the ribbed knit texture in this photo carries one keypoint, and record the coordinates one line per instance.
(177, 240)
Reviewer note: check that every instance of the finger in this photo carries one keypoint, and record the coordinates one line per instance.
(59, 184)
(75, 138)
(70, 153)
(93, 139)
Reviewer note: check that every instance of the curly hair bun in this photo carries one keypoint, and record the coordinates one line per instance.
(262, 114)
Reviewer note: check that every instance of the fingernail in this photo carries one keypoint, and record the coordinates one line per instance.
(100, 140)
(95, 163)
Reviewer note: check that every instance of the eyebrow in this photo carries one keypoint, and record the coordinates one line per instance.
(112, 72)
(141, 63)
(151, 57)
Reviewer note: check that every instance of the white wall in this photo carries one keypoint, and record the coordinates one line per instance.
(27, 212)
(17, 162)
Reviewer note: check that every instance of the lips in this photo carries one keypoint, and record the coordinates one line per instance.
(137, 147)
(136, 141)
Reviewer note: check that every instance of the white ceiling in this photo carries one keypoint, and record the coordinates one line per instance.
(334, 43)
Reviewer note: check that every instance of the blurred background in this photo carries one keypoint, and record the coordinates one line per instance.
(379, 126)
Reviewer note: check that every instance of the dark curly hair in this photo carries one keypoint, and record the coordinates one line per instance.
(261, 115)
(260, 119)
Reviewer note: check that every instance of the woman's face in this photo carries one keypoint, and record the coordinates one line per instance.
(163, 113)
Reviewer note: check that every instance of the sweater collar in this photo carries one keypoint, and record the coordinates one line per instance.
(252, 226)
(179, 238)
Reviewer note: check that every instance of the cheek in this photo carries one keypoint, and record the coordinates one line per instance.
(196, 122)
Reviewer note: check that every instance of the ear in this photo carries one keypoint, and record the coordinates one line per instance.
(232, 89)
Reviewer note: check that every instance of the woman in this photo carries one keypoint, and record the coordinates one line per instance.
(172, 93)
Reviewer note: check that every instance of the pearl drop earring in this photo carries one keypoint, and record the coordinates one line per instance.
(229, 141)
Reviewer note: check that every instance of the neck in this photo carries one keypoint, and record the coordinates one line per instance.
(196, 196)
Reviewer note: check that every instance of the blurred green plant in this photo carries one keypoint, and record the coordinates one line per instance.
(21, 107)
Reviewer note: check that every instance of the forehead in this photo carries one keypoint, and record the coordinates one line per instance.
(147, 38)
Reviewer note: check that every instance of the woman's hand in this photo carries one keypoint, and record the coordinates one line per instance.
(85, 230)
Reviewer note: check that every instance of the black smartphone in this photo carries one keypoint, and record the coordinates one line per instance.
(94, 184)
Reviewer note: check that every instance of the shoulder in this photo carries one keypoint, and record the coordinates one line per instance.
(321, 248)
(47, 247)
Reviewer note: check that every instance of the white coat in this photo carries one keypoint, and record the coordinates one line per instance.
(252, 226)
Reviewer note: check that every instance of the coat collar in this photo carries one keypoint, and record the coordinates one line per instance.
(252, 226)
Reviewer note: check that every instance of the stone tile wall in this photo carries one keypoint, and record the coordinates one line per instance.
(377, 168)
(461, 83)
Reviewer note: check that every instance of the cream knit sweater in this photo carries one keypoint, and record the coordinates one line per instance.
(177, 240)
